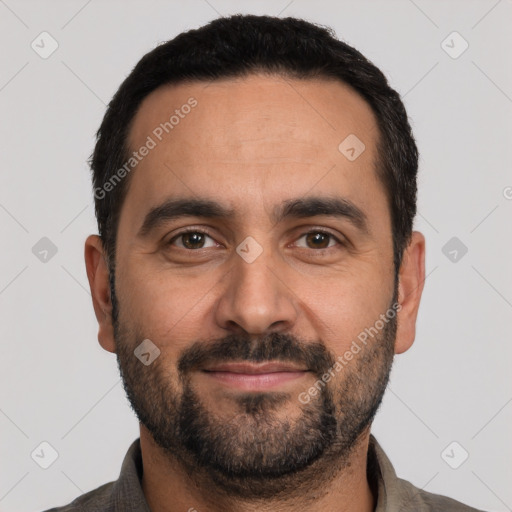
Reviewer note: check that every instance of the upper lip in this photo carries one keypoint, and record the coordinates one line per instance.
(255, 368)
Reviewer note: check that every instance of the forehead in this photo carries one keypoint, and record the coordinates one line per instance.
(252, 142)
(300, 111)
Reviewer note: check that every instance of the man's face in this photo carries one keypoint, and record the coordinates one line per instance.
(275, 279)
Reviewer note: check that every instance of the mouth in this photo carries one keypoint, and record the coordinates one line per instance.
(255, 376)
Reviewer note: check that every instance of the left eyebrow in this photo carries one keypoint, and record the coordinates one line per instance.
(299, 208)
(329, 206)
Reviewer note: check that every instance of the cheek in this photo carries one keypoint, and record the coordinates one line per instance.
(167, 309)
(342, 309)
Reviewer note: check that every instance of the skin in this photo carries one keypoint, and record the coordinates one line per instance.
(252, 143)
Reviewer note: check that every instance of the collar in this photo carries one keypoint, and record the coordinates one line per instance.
(392, 492)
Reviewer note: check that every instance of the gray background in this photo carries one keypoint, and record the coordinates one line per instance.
(59, 386)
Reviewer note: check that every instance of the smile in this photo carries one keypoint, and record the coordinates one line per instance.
(254, 377)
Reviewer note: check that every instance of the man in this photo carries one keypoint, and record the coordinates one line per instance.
(256, 271)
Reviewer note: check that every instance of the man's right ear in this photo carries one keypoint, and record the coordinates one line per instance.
(97, 273)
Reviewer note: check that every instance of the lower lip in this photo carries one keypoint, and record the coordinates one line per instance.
(255, 381)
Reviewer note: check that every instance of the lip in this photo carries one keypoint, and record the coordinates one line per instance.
(255, 368)
(254, 377)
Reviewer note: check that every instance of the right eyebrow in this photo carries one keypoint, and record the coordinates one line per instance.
(176, 208)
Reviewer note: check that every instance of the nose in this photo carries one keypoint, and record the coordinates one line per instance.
(256, 299)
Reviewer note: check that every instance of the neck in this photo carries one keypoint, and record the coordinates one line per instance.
(169, 486)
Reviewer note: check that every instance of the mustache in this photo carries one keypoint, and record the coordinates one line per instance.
(244, 348)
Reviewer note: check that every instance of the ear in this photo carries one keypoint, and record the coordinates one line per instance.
(410, 288)
(97, 273)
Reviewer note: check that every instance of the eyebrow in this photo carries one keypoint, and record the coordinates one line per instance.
(300, 208)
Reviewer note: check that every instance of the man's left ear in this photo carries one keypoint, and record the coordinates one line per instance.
(410, 288)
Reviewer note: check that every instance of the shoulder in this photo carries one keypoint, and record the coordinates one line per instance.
(123, 494)
(399, 495)
(97, 500)
(414, 498)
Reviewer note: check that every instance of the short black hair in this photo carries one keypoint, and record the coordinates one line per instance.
(238, 46)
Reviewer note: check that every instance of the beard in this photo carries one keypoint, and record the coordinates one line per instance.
(256, 453)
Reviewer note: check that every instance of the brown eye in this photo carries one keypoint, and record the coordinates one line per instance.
(319, 240)
(192, 240)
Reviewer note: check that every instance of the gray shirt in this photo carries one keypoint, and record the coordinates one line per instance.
(394, 494)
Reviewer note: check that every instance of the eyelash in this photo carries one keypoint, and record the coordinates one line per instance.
(196, 230)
